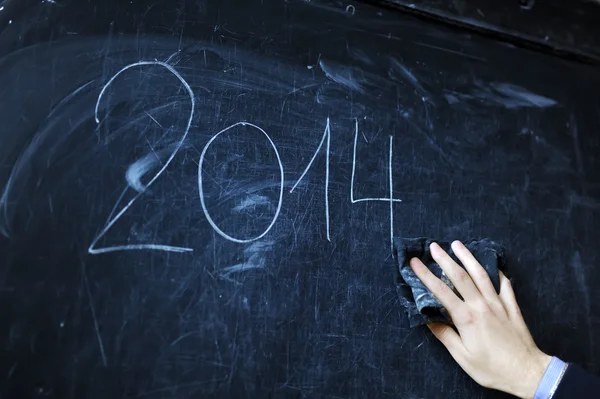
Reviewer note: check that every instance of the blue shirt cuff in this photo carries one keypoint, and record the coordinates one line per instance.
(551, 379)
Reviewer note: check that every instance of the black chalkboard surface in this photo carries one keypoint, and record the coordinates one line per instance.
(198, 197)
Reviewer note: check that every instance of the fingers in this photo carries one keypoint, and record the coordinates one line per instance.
(507, 296)
(438, 288)
(450, 339)
(459, 277)
(478, 274)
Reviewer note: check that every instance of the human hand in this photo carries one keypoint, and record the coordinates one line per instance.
(493, 344)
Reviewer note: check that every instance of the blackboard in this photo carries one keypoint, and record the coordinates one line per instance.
(198, 197)
(550, 26)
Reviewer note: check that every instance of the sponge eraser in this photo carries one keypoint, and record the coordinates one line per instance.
(418, 302)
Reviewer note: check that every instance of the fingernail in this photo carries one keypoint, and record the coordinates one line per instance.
(434, 246)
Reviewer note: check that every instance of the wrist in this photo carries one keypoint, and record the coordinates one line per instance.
(526, 387)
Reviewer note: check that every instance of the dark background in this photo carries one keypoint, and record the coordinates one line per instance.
(566, 29)
(491, 138)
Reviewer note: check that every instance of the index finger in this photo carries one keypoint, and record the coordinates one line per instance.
(438, 288)
(480, 277)
(457, 275)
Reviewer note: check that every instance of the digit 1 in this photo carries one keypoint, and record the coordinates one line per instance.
(326, 136)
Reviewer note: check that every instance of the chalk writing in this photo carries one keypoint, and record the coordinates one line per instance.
(201, 190)
(144, 165)
(391, 181)
(141, 189)
(326, 136)
(355, 200)
(389, 199)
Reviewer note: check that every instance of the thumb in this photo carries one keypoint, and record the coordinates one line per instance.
(450, 339)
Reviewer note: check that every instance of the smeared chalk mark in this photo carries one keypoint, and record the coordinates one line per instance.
(11, 371)
(522, 95)
(254, 258)
(242, 267)
(93, 310)
(360, 55)
(50, 204)
(352, 199)
(407, 74)
(582, 281)
(136, 171)
(351, 9)
(580, 277)
(451, 99)
(341, 74)
(576, 145)
(139, 169)
(326, 136)
(252, 202)
(201, 189)
(583, 201)
(505, 95)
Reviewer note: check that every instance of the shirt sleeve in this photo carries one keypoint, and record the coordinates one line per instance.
(577, 383)
(551, 379)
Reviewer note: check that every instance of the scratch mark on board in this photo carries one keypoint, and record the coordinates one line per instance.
(155, 121)
(447, 50)
(93, 310)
